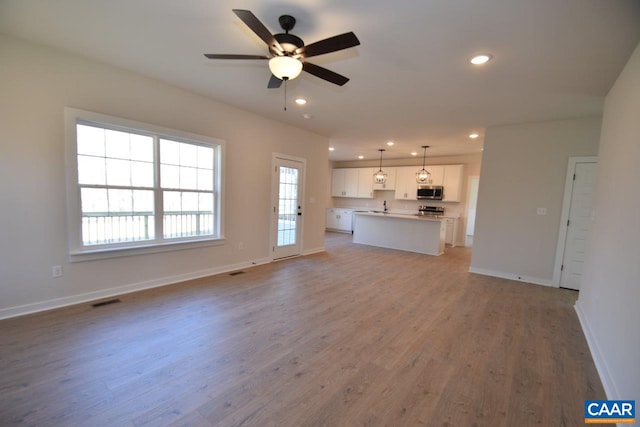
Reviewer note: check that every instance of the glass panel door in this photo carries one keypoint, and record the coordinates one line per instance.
(287, 208)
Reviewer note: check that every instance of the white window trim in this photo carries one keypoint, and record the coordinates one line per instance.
(79, 252)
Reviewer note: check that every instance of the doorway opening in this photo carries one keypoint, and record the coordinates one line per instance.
(472, 203)
(575, 222)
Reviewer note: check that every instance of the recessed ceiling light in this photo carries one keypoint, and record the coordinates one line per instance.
(474, 135)
(414, 153)
(361, 157)
(331, 149)
(390, 143)
(307, 116)
(481, 59)
(301, 101)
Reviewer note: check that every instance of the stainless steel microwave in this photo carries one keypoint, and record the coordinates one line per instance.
(430, 192)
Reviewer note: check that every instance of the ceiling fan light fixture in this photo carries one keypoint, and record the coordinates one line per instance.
(285, 67)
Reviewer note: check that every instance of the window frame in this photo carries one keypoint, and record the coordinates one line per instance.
(78, 251)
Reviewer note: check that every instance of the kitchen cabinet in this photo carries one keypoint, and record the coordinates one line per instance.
(339, 220)
(344, 182)
(406, 186)
(390, 184)
(453, 178)
(352, 182)
(365, 182)
(451, 231)
(358, 182)
(437, 174)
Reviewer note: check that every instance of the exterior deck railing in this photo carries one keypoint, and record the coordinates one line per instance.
(116, 227)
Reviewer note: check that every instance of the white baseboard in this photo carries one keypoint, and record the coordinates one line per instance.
(511, 276)
(597, 355)
(21, 310)
(313, 251)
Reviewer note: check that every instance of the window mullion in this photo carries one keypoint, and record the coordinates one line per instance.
(158, 195)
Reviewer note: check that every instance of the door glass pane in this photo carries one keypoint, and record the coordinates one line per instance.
(287, 206)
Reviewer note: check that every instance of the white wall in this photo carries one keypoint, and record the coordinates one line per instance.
(609, 301)
(524, 168)
(36, 83)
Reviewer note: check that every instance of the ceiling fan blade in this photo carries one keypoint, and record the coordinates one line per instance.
(258, 27)
(232, 56)
(274, 82)
(324, 74)
(332, 44)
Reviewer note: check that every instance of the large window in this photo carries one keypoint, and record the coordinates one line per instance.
(133, 185)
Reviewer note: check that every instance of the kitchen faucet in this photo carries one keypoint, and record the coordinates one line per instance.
(385, 206)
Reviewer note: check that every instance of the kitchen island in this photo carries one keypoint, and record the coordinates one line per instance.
(413, 233)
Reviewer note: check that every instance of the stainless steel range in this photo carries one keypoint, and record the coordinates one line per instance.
(431, 210)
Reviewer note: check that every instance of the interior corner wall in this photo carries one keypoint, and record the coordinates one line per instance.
(524, 168)
(610, 289)
(36, 84)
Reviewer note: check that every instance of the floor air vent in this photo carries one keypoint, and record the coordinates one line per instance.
(100, 304)
(235, 273)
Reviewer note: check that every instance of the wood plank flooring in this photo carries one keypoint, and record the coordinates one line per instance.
(354, 336)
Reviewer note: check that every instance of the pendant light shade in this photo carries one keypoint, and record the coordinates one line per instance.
(285, 67)
(423, 175)
(380, 177)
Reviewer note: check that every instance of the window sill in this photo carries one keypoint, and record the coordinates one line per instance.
(152, 248)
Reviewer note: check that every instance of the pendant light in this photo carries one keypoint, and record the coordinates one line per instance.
(423, 175)
(380, 177)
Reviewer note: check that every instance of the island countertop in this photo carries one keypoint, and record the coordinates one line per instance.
(402, 216)
(413, 233)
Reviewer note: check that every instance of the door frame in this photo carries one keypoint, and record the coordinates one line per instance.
(273, 227)
(564, 217)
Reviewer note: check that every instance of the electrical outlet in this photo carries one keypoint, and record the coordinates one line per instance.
(56, 271)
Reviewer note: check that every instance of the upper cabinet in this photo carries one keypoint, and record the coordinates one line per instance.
(352, 182)
(406, 186)
(358, 182)
(365, 182)
(437, 174)
(344, 182)
(453, 177)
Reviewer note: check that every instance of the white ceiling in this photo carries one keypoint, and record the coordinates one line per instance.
(410, 77)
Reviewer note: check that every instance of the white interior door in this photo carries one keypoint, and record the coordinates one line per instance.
(578, 225)
(287, 207)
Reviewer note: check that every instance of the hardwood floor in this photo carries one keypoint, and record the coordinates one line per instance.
(354, 336)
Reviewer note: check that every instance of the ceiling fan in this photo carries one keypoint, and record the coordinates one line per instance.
(288, 52)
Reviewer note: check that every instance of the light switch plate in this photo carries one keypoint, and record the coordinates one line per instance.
(541, 211)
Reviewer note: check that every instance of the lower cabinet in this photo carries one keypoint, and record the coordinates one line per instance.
(339, 220)
(452, 231)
